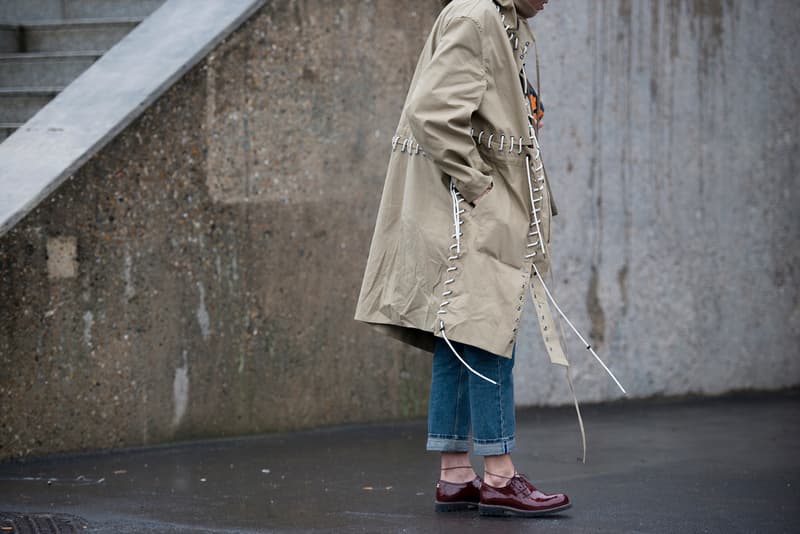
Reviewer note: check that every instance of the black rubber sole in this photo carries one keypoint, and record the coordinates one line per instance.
(454, 506)
(492, 510)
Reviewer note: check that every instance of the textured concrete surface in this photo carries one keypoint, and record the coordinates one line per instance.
(671, 141)
(219, 241)
(104, 99)
(219, 246)
(721, 466)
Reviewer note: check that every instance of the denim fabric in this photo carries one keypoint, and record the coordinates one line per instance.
(460, 400)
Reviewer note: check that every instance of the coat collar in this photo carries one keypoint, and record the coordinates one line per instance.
(517, 29)
(508, 8)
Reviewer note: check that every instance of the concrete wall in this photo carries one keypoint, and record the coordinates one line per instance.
(672, 142)
(198, 276)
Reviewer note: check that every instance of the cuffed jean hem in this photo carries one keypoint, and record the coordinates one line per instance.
(494, 448)
(440, 444)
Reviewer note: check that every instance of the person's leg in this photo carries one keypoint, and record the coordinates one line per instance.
(492, 412)
(449, 415)
(503, 491)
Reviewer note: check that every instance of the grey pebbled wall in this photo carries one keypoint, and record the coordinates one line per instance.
(672, 142)
(198, 276)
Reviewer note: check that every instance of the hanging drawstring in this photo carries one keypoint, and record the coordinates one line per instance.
(548, 326)
(544, 316)
(587, 345)
(577, 411)
(452, 348)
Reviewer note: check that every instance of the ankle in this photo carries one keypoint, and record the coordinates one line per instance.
(456, 467)
(497, 480)
(457, 474)
(498, 470)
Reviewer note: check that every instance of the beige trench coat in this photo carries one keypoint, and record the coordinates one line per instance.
(437, 265)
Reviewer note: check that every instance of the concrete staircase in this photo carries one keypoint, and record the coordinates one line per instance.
(45, 44)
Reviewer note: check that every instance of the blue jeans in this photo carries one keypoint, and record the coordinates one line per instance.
(459, 399)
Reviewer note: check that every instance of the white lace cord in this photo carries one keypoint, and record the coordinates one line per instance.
(534, 211)
(512, 140)
(409, 146)
(512, 32)
(452, 348)
(587, 345)
(456, 198)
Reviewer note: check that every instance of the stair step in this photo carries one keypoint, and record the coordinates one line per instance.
(7, 128)
(74, 9)
(78, 34)
(13, 10)
(44, 68)
(31, 90)
(18, 104)
(9, 38)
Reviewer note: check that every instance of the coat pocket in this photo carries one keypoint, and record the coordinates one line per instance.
(481, 203)
(495, 228)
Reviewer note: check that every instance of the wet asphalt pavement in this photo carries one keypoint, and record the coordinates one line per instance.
(726, 465)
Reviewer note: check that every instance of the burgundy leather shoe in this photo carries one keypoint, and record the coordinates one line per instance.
(452, 496)
(519, 497)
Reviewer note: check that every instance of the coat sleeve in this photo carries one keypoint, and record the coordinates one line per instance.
(439, 111)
